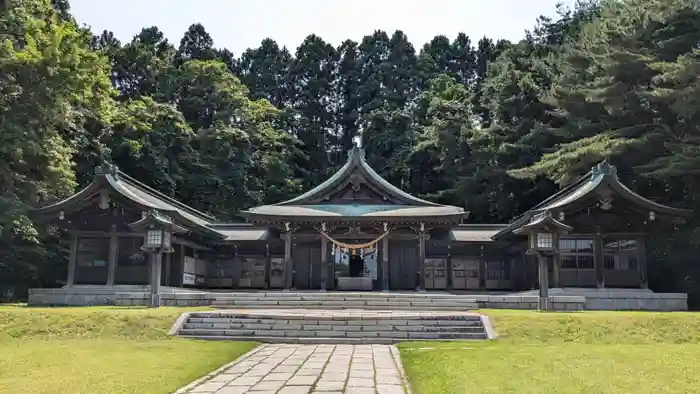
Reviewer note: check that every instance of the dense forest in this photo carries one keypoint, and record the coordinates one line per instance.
(492, 126)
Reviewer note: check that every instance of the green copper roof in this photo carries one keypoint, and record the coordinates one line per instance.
(354, 210)
(110, 178)
(600, 180)
(398, 203)
(356, 162)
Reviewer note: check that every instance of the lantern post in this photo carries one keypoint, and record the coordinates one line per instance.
(543, 232)
(158, 230)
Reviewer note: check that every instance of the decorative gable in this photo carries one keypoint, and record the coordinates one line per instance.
(356, 189)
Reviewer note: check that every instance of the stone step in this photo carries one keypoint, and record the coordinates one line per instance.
(345, 296)
(424, 316)
(344, 328)
(305, 341)
(337, 307)
(343, 302)
(373, 293)
(343, 299)
(332, 334)
(347, 304)
(219, 322)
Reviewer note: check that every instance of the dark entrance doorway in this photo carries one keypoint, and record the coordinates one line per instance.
(356, 266)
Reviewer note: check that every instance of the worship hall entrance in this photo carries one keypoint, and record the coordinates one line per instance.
(355, 269)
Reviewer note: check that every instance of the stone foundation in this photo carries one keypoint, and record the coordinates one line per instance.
(624, 299)
(166, 299)
(560, 299)
(556, 303)
(121, 295)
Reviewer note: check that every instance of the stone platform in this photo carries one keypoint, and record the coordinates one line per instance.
(349, 326)
(622, 299)
(566, 299)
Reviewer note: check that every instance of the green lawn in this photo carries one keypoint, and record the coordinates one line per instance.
(102, 350)
(588, 352)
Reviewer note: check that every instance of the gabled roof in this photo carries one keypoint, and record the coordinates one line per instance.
(111, 178)
(600, 181)
(356, 162)
(313, 204)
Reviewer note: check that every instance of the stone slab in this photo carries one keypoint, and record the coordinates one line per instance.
(341, 374)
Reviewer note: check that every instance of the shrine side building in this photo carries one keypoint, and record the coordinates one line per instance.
(356, 231)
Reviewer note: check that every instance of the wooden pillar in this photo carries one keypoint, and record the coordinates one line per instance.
(482, 272)
(181, 275)
(235, 268)
(544, 282)
(556, 268)
(112, 260)
(642, 259)
(268, 264)
(288, 264)
(482, 268)
(448, 271)
(421, 258)
(156, 261)
(324, 263)
(598, 260)
(385, 264)
(72, 260)
(168, 268)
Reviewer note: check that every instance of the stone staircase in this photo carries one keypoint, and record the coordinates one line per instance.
(345, 300)
(333, 326)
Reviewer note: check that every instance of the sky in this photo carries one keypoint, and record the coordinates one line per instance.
(241, 24)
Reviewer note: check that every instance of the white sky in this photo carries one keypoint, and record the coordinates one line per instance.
(241, 24)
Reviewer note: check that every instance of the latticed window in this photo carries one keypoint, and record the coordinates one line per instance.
(545, 241)
(620, 255)
(130, 253)
(154, 237)
(576, 253)
(93, 252)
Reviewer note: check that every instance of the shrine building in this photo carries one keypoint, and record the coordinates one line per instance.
(356, 231)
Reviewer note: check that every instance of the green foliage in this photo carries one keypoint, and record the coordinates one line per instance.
(55, 94)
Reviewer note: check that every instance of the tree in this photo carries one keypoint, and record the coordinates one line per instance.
(54, 95)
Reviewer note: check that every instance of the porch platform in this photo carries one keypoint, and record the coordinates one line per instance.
(563, 299)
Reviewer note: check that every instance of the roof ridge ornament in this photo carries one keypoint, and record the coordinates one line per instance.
(604, 168)
(106, 169)
(356, 148)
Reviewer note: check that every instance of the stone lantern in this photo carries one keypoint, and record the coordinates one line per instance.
(543, 232)
(158, 230)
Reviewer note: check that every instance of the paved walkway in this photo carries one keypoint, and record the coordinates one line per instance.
(304, 369)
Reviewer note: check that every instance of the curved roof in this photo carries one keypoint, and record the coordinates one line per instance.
(111, 178)
(356, 162)
(602, 178)
(355, 210)
(314, 203)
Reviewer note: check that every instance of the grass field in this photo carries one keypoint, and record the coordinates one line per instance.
(127, 350)
(590, 352)
(101, 350)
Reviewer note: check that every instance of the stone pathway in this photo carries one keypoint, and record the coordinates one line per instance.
(310, 369)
